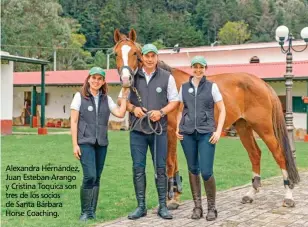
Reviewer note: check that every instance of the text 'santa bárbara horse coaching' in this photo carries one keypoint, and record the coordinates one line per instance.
(251, 105)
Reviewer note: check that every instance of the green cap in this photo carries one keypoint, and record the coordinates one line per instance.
(97, 70)
(198, 60)
(149, 48)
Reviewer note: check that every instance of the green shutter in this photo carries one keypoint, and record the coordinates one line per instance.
(298, 105)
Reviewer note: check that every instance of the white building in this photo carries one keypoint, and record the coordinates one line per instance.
(7, 100)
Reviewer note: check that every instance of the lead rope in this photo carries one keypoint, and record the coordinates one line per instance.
(157, 130)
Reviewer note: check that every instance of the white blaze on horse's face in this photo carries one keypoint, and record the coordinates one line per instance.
(125, 73)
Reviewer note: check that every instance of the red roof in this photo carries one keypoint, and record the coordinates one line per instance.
(77, 77)
(72, 77)
(262, 70)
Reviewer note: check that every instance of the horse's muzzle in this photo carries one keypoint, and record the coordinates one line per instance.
(126, 83)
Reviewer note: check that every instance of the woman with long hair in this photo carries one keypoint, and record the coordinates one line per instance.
(90, 111)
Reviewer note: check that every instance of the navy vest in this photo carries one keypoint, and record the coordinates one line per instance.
(198, 112)
(92, 127)
(153, 95)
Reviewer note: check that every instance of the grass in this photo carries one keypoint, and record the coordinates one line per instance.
(232, 168)
(27, 129)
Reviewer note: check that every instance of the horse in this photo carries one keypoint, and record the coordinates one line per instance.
(251, 105)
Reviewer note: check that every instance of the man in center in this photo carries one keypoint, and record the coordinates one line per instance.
(159, 95)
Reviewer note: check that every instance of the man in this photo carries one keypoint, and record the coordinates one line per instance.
(159, 96)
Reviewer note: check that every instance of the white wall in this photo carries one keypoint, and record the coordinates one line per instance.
(231, 56)
(57, 98)
(6, 91)
(299, 88)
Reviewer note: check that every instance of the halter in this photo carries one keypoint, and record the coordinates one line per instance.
(126, 66)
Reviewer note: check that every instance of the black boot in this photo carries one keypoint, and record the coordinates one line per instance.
(161, 185)
(210, 189)
(86, 208)
(140, 185)
(195, 187)
(94, 200)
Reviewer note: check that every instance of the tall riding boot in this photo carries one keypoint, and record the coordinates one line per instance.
(210, 189)
(140, 185)
(86, 208)
(161, 185)
(94, 200)
(195, 187)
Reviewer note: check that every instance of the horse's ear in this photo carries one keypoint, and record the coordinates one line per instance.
(132, 35)
(116, 35)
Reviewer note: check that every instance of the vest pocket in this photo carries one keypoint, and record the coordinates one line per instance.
(102, 136)
(183, 119)
(204, 119)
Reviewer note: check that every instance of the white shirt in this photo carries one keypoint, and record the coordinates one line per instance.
(172, 91)
(215, 93)
(76, 103)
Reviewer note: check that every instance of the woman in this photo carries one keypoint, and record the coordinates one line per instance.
(198, 133)
(90, 111)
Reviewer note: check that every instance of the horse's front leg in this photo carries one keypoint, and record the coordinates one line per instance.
(174, 179)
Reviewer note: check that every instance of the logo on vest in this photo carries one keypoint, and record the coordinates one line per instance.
(190, 90)
(158, 90)
(90, 108)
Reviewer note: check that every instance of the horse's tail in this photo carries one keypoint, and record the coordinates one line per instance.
(281, 134)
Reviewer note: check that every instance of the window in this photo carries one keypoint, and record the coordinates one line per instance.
(254, 59)
(298, 104)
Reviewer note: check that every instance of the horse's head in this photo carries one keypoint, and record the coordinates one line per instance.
(128, 56)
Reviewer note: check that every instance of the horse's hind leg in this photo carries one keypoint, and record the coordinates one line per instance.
(266, 133)
(245, 133)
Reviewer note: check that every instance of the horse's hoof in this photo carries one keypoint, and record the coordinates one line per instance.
(173, 205)
(246, 199)
(288, 203)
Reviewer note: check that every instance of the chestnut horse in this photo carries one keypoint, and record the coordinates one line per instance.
(251, 105)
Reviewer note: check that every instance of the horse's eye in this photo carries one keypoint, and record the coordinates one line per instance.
(116, 55)
(135, 53)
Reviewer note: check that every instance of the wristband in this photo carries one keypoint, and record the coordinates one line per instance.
(162, 114)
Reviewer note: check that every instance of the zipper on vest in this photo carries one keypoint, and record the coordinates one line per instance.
(195, 110)
(96, 121)
(96, 113)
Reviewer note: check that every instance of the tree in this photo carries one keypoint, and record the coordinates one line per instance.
(73, 56)
(234, 33)
(265, 28)
(100, 60)
(35, 24)
(112, 17)
(209, 17)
